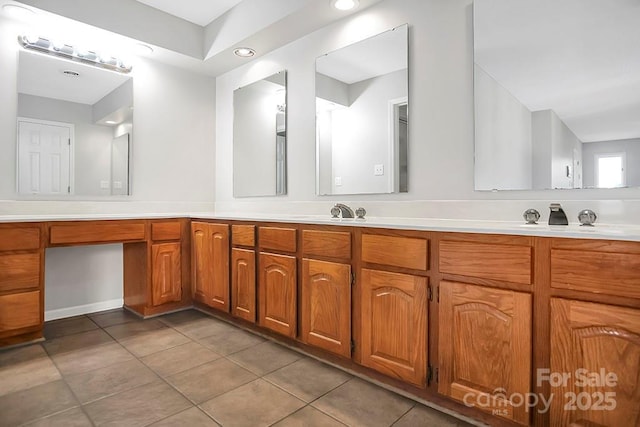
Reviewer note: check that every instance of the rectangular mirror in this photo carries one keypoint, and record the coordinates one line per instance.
(362, 104)
(557, 94)
(260, 137)
(74, 128)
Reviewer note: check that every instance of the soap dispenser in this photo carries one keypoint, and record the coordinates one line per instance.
(557, 215)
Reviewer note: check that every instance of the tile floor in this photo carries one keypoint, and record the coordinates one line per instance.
(186, 368)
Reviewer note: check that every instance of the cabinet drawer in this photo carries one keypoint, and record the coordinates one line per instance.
(243, 235)
(407, 252)
(19, 271)
(596, 272)
(166, 230)
(278, 239)
(19, 310)
(509, 263)
(326, 243)
(18, 239)
(95, 233)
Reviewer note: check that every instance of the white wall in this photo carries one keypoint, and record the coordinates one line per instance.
(172, 168)
(631, 147)
(441, 147)
(503, 155)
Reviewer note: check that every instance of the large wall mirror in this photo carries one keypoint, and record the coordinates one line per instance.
(362, 116)
(74, 128)
(260, 137)
(557, 94)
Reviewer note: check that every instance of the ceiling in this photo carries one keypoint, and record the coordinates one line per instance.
(199, 12)
(579, 58)
(199, 35)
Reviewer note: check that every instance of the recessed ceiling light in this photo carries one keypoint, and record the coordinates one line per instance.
(244, 52)
(17, 12)
(110, 122)
(345, 4)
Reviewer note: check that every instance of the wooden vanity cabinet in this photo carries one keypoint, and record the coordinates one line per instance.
(325, 293)
(21, 274)
(278, 280)
(243, 272)
(485, 321)
(210, 264)
(393, 304)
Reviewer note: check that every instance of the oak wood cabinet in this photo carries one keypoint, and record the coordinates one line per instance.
(210, 264)
(485, 347)
(596, 349)
(166, 273)
(21, 279)
(243, 272)
(326, 306)
(394, 324)
(277, 293)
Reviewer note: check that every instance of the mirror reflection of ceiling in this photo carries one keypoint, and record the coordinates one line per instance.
(579, 58)
(203, 33)
(375, 56)
(44, 76)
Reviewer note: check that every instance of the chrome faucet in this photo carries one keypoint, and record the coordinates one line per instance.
(343, 210)
(557, 215)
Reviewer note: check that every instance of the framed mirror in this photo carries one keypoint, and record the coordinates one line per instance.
(74, 128)
(260, 137)
(362, 106)
(557, 94)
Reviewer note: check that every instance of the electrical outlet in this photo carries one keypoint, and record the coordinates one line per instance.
(338, 181)
(104, 185)
(378, 170)
(117, 184)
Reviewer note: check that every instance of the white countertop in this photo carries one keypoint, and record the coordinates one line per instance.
(598, 231)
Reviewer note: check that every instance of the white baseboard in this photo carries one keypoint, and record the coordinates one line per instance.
(61, 313)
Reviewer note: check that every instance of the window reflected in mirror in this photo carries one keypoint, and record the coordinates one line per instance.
(74, 128)
(260, 137)
(362, 105)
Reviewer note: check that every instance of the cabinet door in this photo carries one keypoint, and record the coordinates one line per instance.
(277, 293)
(485, 348)
(597, 348)
(243, 284)
(326, 306)
(210, 272)
(166, 276)
(394, 324)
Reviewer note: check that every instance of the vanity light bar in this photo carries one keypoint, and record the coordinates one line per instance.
(44, 45)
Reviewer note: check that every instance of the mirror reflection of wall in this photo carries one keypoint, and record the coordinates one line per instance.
(557, 94)
(259, 137)
(362, 116)
(93, 108)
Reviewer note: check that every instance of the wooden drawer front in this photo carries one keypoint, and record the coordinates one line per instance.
(19, 310)
(96, 233)
(407, 252)
(278, 239)
(597, 272)
(509, 263)
(243, 235)
(326, 243)
(18, 239)
(166, 230)
(19, 271)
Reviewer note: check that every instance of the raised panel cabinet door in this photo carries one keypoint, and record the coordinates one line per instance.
(277, 293)
(166, 273)
(326, 306)
(243, 284)
(394, 324)
(595, 349)
(210, 270)
(484, 348)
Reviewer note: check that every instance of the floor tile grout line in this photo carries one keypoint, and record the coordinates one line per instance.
(402, 416)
